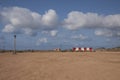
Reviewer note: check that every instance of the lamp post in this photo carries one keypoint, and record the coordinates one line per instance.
(14, 44)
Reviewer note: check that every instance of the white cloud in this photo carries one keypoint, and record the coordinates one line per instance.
(50, 19)
(8, 28)
(76, 20)
(81, 37)
(41, 40)
(112, 21)
(109, 25)
(118, 33)
(107, 33)
(53, 33)
(29, 31)
(26, 21)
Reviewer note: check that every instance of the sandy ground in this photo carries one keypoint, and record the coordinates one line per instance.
(60, 66)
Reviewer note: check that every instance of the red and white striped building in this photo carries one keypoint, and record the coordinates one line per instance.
(82, 49)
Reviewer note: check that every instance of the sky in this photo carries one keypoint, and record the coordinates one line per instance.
(49, 24)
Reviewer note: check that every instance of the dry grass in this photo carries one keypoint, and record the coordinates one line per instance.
(60, 66)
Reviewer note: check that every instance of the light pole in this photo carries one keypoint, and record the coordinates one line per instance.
(14, 44)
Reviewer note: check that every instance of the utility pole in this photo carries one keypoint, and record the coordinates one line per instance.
(14, 44)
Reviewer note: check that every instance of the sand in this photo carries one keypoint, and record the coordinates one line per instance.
(60, 66)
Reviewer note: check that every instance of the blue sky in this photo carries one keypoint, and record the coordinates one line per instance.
(49, 24)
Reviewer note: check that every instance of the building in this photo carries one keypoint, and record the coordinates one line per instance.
(82, 49)
(57, 49)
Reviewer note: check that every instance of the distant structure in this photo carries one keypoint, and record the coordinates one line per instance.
(57, 49)
(14, 44)
(82, 49)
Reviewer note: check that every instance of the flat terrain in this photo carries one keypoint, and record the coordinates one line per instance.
(60, 66)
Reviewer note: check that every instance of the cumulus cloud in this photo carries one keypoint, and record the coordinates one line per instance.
(76, 20)
(23, 20)
(29, 31)
(107, 25)
(81, 37)
(107, 33)
(41, 40)
(49, 19)
(53, 33)
(8, 28)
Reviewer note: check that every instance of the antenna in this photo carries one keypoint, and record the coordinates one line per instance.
(14, 44)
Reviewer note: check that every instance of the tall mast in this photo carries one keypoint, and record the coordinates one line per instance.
(14, 44)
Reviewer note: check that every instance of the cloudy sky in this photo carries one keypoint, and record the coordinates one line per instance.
(49, 24)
